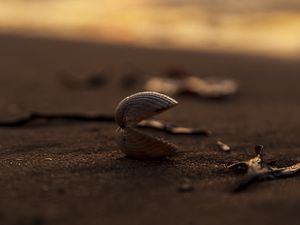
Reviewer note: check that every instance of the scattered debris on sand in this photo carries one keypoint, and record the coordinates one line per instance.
(257, 170)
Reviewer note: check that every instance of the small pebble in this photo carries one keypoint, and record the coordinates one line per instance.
(223, 146)
(50, 159)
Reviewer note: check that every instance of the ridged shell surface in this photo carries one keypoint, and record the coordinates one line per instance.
(140, 106)
(140, 145)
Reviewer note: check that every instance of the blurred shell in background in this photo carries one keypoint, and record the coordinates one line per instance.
(206, 88)
(268, 27)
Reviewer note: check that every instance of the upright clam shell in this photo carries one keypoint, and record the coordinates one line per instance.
(139, 145)
(140, 106)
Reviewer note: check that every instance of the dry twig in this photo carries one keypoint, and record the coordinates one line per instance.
(154, 124)
(173, 129)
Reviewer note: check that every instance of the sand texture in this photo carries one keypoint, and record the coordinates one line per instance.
(72, 173)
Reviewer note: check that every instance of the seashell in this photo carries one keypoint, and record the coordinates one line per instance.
(140, 145)
(129, 113)
(211, 88)
(207, 88)
(140, 106)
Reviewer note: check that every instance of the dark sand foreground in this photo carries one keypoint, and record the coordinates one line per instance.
(67, 173)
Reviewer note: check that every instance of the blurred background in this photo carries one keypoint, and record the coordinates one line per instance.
(270, 27)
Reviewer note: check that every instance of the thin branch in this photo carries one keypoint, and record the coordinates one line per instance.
(154, 124)
(24, 121)
(173, 129)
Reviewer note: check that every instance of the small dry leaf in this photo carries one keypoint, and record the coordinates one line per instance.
(257, 170)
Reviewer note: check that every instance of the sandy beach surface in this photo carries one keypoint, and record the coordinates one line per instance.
(64, 173)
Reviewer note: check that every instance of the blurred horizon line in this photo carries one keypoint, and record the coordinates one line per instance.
(270, 27)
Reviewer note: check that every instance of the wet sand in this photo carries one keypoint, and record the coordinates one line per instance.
(73, 173)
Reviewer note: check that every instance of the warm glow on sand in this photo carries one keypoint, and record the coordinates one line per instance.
(145, 23)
